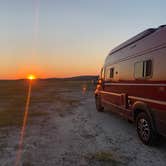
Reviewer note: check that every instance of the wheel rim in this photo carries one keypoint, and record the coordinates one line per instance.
(143, 129)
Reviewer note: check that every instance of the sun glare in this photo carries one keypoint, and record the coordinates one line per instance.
(31, 77)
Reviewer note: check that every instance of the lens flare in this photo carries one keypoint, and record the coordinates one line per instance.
(22, 134)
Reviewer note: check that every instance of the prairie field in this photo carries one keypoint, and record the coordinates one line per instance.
(64, 129)
(13, 95)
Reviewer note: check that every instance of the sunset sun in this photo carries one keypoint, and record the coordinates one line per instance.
(31, 77)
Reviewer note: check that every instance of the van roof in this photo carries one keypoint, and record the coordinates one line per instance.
(135, 39)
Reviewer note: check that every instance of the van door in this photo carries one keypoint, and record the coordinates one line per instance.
(111, 95)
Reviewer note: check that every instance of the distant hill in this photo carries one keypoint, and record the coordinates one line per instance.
(76, 78)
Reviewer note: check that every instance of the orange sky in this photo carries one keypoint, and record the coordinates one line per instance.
(64, 39)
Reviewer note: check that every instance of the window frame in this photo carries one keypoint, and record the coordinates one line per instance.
(143, 77)
(113, 72)
(139, 62)
(109, 68)
(145, 69)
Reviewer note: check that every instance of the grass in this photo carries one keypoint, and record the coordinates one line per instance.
(13, 111)
(12, 101)
(13, 96)
(104, 158)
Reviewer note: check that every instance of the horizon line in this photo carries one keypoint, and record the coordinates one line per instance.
(49, 78)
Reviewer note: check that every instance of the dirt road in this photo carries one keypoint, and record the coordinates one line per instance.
(76, 134)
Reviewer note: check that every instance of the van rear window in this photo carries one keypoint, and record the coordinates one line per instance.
(143, 69)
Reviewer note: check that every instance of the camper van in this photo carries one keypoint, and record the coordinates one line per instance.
(132, 83)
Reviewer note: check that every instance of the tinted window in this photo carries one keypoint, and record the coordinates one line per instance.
(147, 68)
(111, 72)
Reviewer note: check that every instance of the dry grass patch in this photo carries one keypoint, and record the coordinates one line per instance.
(105, 158)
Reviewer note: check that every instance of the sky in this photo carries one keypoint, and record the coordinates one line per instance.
(64, 38)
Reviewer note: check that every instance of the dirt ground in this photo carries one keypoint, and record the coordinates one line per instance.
(68, 131)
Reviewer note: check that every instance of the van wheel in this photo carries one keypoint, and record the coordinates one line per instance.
(99, 106)
(145, 130)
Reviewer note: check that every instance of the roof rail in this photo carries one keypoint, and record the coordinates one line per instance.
(133, 40)
(162, 26)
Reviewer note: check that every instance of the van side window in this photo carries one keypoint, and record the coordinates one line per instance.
(138, 70)
(147, 68)
(143, 69)
(109, 73)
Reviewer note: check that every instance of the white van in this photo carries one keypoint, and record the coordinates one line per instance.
(133, 80)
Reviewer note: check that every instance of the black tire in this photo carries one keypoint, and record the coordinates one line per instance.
(99, 106)
(145, 129)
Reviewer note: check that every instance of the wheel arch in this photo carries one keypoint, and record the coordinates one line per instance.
(138, 107)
